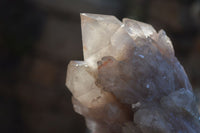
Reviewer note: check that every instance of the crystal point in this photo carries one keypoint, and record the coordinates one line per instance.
(138, 29)
(130, 80)
(96, 33)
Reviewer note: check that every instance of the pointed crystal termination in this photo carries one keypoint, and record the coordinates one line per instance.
(130, 80)
(97, 31)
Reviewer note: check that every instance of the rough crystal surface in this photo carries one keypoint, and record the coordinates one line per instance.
(130, 80)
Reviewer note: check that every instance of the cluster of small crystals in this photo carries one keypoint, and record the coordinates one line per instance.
(130, 81)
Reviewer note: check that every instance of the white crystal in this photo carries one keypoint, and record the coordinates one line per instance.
(96, 33)
(138, 29)
(81, 83)
(130, 81)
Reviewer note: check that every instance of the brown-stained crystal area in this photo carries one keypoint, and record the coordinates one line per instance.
(130, 80)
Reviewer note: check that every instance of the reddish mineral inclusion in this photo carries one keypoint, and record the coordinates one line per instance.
(130, 80)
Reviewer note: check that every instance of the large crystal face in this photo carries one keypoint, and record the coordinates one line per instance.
(130, 80)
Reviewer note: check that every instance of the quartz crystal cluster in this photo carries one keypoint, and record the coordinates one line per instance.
(130, 80)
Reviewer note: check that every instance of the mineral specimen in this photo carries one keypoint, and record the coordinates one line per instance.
(130, 80)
